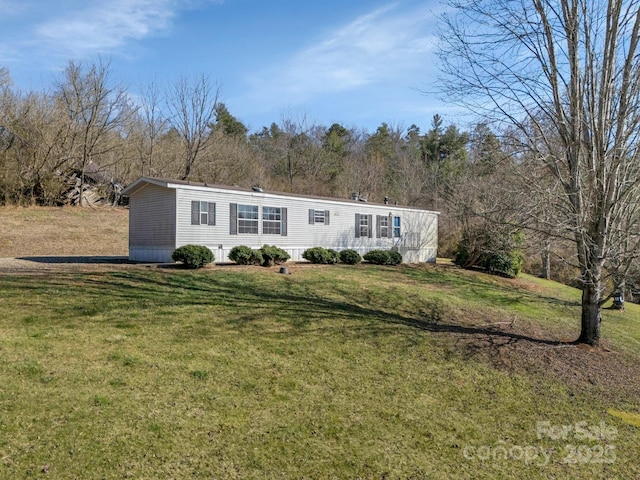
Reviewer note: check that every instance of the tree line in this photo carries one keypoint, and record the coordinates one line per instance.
(86, 122)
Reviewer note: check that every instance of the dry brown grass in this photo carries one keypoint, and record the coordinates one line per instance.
(63, 231)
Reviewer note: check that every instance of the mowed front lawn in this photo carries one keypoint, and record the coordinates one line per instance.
(330, 372)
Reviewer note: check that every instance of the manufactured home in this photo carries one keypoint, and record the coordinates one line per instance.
(167, 214)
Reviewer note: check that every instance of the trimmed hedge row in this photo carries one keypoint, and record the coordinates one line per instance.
(351, 257)
(197, 256)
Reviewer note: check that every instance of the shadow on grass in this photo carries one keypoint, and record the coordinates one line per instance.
(477, 285)
(244, 299)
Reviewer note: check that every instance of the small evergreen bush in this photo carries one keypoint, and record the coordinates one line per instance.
(395, 257)
(350, 257)
(272, 255)
(244, 255)
(193, 256)
(320, 255)
(383, 257)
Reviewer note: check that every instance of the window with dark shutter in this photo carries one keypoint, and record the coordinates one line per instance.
(382, 226)
(203, 213)
(364, 226)
(318, 217)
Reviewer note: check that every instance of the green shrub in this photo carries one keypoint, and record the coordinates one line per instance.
(383, 257)
(320, 255)
(272, 255)
(193, 256)
(497, 251)
(350, 257)
(333, 256)
(503, 263)
(244, 255)
(395, 257)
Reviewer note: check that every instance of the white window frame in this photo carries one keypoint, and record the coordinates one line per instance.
(384, 229)
(364, 228)
(272, 220)
(248, 219)
(204, 213)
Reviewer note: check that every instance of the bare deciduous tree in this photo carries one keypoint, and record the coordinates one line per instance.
(565, 73)
(154, 125)
(192, 112)
(95, 112)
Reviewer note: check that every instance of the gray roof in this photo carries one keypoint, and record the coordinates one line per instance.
(169, 183)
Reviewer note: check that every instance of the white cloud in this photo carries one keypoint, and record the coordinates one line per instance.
(388, 45)
(45, 33)
(103, 26)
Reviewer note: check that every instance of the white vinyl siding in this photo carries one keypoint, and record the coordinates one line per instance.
(152, 217)
(152, 224)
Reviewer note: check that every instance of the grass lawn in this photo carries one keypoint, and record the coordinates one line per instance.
(330, 372)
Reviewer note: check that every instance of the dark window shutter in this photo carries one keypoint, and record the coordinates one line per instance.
(283, 220)
(357, 225)
(233, 218)
(195, 212)
(212, 213)
(378, 226)
(370, 225)
(326, 217)
(312, 214)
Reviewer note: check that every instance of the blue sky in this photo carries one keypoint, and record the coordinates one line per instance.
(358, 63)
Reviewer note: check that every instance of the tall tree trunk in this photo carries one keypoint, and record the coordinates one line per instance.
(591, 318)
